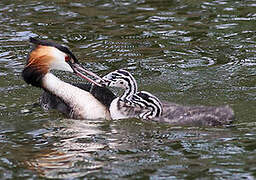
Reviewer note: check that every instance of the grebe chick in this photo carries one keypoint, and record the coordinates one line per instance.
(131, 104)
(148, 101)
(146, 106)
(79, 103)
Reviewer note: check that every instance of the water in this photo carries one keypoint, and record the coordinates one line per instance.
(188, 52)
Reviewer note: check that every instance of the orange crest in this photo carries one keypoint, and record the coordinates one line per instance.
(40, 58)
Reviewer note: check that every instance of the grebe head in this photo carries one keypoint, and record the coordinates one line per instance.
(47, 56)
(120, 78)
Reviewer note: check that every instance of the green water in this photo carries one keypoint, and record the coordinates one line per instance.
(187, 52)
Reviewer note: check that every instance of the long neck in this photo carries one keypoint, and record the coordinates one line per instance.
(65, 91)
(156, 109)
(130, 90)
(83, 104)
(148, 101)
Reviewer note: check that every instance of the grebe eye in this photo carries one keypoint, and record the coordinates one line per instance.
(67, 58)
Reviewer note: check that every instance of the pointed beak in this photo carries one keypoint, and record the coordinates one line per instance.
(78, 69)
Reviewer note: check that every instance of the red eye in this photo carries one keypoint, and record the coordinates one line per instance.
(67, 58)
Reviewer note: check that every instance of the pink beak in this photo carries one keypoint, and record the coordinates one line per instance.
(77, 68)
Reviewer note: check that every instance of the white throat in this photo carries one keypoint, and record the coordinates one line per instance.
(84, 105)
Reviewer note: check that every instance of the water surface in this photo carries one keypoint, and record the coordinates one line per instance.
(188, 52)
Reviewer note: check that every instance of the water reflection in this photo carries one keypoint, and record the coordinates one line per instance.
(77, 141)
(123, 148)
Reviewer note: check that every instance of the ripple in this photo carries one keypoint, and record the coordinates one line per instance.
(193, 53)
(163, 19)
(226, 26)
(44, 8)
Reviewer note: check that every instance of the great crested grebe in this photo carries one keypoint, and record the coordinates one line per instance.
(80, 101)
(145, 105)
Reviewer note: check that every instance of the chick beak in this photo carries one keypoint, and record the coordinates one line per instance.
(77, 68)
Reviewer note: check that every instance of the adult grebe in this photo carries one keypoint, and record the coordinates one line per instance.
(76, 102)
(145, 105)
